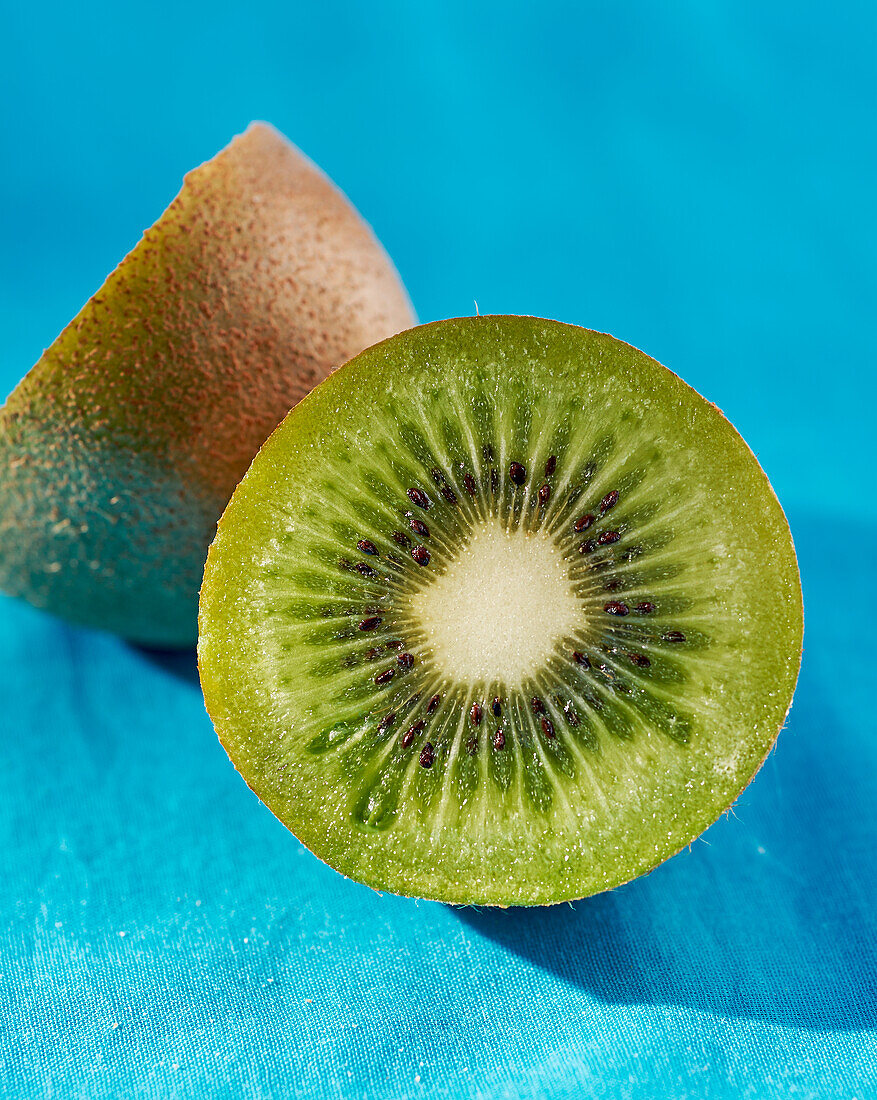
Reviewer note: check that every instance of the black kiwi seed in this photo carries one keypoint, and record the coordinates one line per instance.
(548, 727)
(470, 484)
(419, 528)
(587, 546)
(427, 755)
(583, 522)
(581, 659)
(472, 746)
(412, 732)
(420, 555)
(608, 537)
(433, 703)
(569, 713)
(405, 660)
(401, 538)
(616, 608)
(475, 714)
(371, 654)
(366, 546)
(537, 705)
(371, 623)
(394, 643)
(366, 570)
(644, 608)
(551, 466)
(517, 473)
(639, 659)
(385, 677)
(544, 493)
(609, 501)
(387, 720)
(499, 739)
(418, 497)
(437, 476)
(496, 707)
(673, 636)
(448, 493)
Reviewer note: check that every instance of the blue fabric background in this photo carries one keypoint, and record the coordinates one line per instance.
(698, 179)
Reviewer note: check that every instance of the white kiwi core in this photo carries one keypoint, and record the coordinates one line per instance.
(498, 610)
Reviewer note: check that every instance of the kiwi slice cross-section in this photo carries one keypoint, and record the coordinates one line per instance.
(502, 613)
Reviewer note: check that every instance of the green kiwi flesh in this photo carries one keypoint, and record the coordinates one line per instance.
(502, 613)
(121, 447)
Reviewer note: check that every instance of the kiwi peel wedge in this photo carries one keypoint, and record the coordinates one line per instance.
(503, 613)
(121, 447)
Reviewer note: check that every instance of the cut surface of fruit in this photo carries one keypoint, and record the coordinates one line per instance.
(513, 592)
(502, 613)
(121, 447)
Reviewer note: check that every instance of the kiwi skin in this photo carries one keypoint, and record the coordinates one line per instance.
(121, 447)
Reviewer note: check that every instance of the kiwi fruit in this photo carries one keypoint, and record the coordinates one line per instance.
(502, 613)
(121, 447)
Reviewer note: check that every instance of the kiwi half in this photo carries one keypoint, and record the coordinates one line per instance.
(121, 447)
(502, 613)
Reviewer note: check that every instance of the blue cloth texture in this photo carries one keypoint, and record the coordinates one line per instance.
(697, 179)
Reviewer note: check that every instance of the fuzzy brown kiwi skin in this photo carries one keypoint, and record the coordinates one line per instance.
(647, 866)
(121, 447)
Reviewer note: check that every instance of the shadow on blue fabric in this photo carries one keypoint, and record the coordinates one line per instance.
(743, 957)
(182, 663)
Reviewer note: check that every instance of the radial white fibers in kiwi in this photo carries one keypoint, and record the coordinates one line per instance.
(502, 613)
